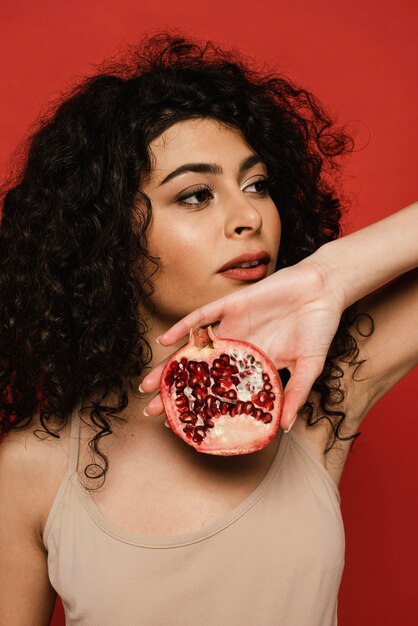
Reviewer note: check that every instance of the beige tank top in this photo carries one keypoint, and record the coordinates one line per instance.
(276, 559)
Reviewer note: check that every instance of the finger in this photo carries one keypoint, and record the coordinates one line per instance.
(297, 390)
(207, 314)
(152, 381)
(155, 406)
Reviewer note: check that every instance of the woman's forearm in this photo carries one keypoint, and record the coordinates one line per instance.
(359, 263)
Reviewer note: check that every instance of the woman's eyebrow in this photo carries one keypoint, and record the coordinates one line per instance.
(211, 168)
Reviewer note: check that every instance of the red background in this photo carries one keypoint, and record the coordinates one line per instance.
(359, 58)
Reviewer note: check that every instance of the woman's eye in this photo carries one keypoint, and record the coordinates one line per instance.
(201, 192)
(264, 183)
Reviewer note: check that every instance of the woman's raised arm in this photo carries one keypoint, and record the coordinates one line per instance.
(293, 314)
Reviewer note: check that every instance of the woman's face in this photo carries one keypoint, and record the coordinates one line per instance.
(223, 216)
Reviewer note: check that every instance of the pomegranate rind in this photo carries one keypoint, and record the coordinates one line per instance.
(241, 434)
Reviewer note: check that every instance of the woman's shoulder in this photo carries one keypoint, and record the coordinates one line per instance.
(34, 463)
(33, 446)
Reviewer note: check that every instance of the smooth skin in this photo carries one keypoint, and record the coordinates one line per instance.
(193, 240)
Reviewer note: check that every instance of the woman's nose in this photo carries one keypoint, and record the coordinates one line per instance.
(242, 217)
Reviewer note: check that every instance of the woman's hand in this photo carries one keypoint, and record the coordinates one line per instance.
(291, 315)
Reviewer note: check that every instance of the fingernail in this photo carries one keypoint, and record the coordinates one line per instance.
(291, 424)
(145, 412)
(158, 339)
(140, 389)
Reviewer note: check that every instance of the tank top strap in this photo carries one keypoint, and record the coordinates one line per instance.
(301, 443)
(74, 439)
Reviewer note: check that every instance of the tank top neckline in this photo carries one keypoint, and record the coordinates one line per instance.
(169, 541)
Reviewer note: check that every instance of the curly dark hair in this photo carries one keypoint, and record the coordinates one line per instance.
(73, 246)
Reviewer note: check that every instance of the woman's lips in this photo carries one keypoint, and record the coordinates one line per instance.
(247, 273)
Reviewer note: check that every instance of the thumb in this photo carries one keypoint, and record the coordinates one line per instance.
(208, 314)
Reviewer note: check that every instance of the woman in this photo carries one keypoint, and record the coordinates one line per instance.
(105, 244)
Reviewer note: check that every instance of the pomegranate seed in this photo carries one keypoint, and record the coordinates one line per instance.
(188, 418)
(249, 408)
(235, 381)
(181, 401)
(200, 404)
(224, 408)
(266, 377)
(267, 418)
(200, 431)
(232, 411)
(181, 382)
(258, 414)
(262, 399)
(212, 404)
(224, 396)
(200, 393)
(240, 407)
(184, 409)
(232, 394)
(272, 396)
(216, 373)
(209, 424)
(267, 387)
(224, 358)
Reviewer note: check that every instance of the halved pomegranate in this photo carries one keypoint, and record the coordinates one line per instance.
(222, 396)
